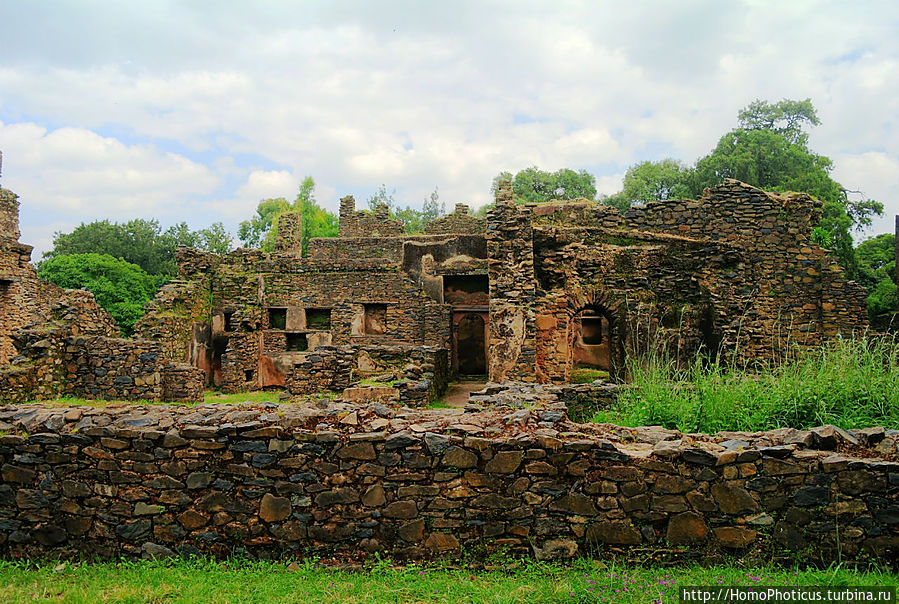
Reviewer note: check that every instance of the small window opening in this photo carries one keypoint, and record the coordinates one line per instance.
(296, 342)
(375, 319)
(277, 318)
(248, 375)
(591, 329)
(318, 318)
(228, 314)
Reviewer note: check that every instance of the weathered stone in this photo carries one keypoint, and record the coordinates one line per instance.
(401, 509)
(734, 537)
(441, 542)
(412, 531)
(613, 533)
(809, 496)
(457, 457)
(686, 529)
(555, 549)
(734, 499)
(374, 496)
(274, 509)
(504, 462)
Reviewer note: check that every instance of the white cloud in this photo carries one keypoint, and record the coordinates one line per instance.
(202, 110)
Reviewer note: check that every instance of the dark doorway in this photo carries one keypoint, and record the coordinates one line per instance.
(471, 344)
(591, 346)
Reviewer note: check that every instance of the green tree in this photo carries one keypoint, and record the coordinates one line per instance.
(533, 185)
(262, 229)
(122, 288)
(139, 241)
(876, 262)
(653, 180)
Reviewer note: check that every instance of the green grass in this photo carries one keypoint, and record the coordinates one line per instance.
(259, 396)
(253, 581)
(849, 383)
(210, 396)
(585, 375)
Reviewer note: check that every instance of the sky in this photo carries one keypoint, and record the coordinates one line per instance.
(196, 110)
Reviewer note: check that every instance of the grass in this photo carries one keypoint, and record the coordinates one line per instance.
(259, 396)
(210, 396)
(586, 375)
(849, 383)
(200, 580)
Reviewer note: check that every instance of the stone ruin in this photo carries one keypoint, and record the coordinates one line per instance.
(56, 342)
(384, 320)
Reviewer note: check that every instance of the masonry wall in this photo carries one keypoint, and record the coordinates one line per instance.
(119, 481)
(234, 314)
(417, 373)
(735, 271)
(56, 342)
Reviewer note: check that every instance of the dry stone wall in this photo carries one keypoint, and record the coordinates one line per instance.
(735, 271)
(283, 480)
(57, 342)
(417, 373)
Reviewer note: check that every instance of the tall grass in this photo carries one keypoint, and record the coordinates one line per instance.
(851, 383)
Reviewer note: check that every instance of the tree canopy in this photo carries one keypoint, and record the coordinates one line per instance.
(652, 180)
(139, 241)
(262, 229)
(876, 272)
(535, 185)
(122, 288)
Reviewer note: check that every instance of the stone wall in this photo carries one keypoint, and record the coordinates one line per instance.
(280, 480)
(734, 272)
(510, 253)
(459, 222)
(367, 224)
(56, 342)
(236, 315)
(417, 373)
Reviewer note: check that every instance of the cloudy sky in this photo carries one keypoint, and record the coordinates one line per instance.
(196, 110)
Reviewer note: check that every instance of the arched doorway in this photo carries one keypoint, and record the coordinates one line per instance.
(471, 344)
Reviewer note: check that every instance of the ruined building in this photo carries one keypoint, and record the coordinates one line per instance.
(528, 294)
(57, 342)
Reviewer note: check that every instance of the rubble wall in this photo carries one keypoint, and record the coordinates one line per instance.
(735, 271)
(418, 373)
(267, 482)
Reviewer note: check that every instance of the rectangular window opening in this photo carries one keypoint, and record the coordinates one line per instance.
(248, 375)
(228, 315)
(296, 342)
(277, 318)
(318, 319)
(375, 319)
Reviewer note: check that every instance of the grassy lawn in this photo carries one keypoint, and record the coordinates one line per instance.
(252, 581)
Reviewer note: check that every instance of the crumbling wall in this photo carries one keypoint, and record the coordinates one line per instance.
(510, 252)
(220, 479)
(57, 342)
(418, 373)
(735, 271)
(458, 222)
(367, 224)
